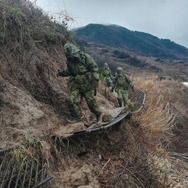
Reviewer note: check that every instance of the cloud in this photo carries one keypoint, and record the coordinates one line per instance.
(162, 18)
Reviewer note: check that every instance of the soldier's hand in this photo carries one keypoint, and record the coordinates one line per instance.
(61, 73)
(58, 73)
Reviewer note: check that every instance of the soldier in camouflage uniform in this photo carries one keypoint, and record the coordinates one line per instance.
(107, 75)
(121, 86)
(83, 80)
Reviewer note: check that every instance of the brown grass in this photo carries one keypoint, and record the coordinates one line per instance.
(122, 156)
(133, 154)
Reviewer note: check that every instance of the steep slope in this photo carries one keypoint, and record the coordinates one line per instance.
(34, 103)
(32, 96)
(26, 60)
(139, 42)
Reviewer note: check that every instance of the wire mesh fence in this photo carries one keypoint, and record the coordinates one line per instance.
(30, 173)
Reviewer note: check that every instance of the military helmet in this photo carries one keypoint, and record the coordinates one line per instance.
(71, 49)
(119, 70)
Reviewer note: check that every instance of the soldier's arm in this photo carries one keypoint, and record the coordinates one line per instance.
(129, 82)
(127, 79)
(64, 73)
(114, 83)
(68, 72)
(92, 66)
(111, 76)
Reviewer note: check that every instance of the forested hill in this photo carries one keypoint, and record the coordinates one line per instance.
(138, 42)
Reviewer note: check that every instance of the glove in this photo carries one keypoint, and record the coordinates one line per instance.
(58, 73)
(61, 73)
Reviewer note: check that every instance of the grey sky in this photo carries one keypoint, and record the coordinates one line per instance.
(162, 18)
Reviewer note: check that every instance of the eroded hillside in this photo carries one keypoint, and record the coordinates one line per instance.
(34, 106)
(30, 91)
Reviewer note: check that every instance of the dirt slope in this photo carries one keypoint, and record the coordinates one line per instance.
(34, 104)
(33, 100)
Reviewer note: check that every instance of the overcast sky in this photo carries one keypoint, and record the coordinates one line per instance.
(162, 18)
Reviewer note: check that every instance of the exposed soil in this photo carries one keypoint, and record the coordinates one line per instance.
(34, 104)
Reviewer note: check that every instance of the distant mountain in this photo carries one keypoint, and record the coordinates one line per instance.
(138, 42)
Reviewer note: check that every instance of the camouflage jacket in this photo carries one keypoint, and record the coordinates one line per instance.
(122, 82)
(106, 72)
(83, 73)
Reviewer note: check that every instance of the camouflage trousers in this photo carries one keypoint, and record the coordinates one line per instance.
(122, 96)
(76, 97)
(108, 81)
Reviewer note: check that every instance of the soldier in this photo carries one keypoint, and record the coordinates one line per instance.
(83, 81)
(107, 75)
(121, 86)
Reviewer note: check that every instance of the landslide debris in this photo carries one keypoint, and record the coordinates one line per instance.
(34, 103)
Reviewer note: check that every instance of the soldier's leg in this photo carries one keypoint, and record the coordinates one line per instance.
(91, 102)
(125, 97)
(119, 97)
(75, 99)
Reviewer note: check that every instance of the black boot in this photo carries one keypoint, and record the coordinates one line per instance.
(99, 118)
(120, 103)
(73, 119)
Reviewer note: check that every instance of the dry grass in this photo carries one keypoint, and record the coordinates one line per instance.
(133, 155)
(158, 119)
(157, 114)
(122, 157)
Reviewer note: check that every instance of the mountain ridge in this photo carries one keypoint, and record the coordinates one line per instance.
(135, 41)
